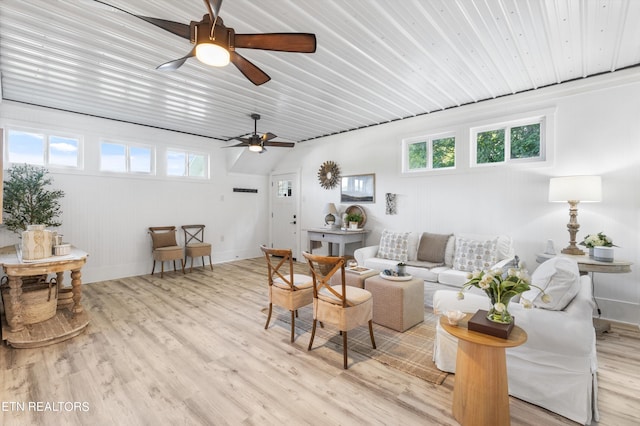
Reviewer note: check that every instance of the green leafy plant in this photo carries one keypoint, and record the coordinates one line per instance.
(354, 217)
(26, 199)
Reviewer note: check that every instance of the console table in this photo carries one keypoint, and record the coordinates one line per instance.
(336, 236)
(587, 265)
(481, 391)
(66, 323)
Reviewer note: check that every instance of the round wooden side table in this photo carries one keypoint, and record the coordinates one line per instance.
(481, 391)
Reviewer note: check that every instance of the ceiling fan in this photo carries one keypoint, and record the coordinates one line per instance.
(258, 143)
(215, 44)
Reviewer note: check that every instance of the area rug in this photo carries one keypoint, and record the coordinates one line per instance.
(410, 352)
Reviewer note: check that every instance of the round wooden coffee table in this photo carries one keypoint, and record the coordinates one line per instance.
(481, 391)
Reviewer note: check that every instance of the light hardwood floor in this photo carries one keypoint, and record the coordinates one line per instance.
(191, 349)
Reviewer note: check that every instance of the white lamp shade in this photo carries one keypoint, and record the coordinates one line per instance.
(330, 208)
(575, 188)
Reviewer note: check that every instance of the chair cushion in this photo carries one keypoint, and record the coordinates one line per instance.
(164, 239)
(475, 255)
(394, 245)
(355, 295)
(168, 253)
(432, 247)
(559, 277)
(299, 280)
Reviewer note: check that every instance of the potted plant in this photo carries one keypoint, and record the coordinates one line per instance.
(354, 220)
(26, 199)
(603, 244)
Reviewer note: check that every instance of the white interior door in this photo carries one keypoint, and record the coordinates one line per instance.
(284, 211)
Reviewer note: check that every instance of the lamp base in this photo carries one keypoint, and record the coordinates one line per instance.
(572, 250)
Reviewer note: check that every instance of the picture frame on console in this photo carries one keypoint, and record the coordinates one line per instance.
(358, 188)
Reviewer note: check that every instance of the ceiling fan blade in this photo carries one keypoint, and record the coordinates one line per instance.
(236, 145)
(268, 136)
(252, 72)
(281, 42)
(182, 30)
(176, 63)
(213, 6)
(280, 144)
(244, 140)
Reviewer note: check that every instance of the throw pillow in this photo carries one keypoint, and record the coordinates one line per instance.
(164, 239)
(472, 255)
(394, 245)
(432, 247)
(559, 277)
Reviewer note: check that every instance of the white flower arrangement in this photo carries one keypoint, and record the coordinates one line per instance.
(597, 240)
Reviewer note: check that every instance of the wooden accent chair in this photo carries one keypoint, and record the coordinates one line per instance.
(195, 245)
(286, 289)
(165, 247)
(343, 306)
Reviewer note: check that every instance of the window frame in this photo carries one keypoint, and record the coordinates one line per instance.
(127, 153)
(541, 119)
(428, 139)
(47, 135)
(187, 154)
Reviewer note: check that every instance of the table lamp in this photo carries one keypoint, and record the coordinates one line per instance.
(575, 189)
(330, 218)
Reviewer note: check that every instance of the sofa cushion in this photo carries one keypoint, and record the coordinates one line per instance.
(559, 277)
(452, 277)
(432, 247)
(394, 245)
(473, 255)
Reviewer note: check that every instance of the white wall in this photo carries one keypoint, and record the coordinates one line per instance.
(597, 131)
(108, 214)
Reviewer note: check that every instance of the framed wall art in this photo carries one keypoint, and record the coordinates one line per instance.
(358, 189)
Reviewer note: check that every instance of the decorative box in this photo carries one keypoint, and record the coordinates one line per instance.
(481, 324)
(61, 249)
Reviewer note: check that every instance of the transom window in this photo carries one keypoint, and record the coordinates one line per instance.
(126, 158)
(188, 164)
(516, 141)
(44, 149)
(429, 153)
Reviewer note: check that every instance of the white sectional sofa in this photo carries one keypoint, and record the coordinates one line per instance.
(441, 260)
(556, 367)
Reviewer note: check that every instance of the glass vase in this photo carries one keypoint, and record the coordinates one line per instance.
(503, 317)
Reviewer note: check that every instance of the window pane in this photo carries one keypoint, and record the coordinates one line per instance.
(444, 152)
(197, 165)
(418, 155)
(176, 163)
(284, 188)
(113, 157)
(140, 159)
(63, 151)
(490, 146)
(525, 141)
(26, 147)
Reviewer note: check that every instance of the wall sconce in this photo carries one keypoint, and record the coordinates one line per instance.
(575, 189)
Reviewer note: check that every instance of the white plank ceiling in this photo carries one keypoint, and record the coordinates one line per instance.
(376, 61)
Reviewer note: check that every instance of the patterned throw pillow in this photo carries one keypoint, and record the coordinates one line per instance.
(471, 255)
(394, 245)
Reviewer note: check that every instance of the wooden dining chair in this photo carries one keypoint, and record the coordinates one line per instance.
(165, 247)
(286, 289)
(343, 306)
(194, 244)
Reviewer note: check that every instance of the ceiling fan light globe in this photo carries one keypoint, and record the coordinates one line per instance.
(212, 54)
(255, 148)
